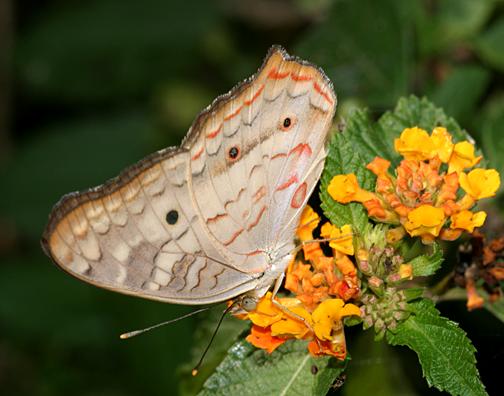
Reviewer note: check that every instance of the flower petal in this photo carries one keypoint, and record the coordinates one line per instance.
(414, 144)
(442, 142)
(467, 220)
(345, 188)
(480, 183)
(462, 157)
(261, 337)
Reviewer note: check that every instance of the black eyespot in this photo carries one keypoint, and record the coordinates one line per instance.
(234, 152)
(172, 217)
(314, 369)
(287, 122)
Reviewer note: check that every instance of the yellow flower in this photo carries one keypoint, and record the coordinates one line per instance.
(291, 326)
(467, 220)
(406, 271)
(266, 313)
(345, 188)
(480, 183)
(425, 221)
(309, 221)
(442, 142)
(414, 144)
(462, 157)
(327, 317)
(341, 238)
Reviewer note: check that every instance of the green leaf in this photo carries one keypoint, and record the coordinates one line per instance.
(342, 159)
(413, 293)
(379, 369)
(411, 111)
(445, 352)
(366, 49)
(459, 94)
(247, 370)
(426, 265)
(228, 333)
(490, 45)
(452, 21)
(368, 138)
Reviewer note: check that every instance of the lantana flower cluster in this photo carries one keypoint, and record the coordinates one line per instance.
(322, 285)
(432, 191)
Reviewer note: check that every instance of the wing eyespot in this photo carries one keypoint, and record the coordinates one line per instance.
(172, 217)
(287, 123)
(233, 153)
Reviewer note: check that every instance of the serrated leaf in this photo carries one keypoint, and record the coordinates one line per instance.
(445, 352)
(343, 159)
(413, 293)
(421, 112)
(287, 371)
(367, 140)
(426, 264)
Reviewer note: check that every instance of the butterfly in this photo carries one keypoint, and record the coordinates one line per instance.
(216, 217)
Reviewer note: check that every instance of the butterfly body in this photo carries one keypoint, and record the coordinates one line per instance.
(216, 217)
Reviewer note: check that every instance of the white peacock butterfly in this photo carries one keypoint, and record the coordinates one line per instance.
(214, 218)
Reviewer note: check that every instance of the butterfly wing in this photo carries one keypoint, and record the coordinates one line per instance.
(197, 224)
(259, 157)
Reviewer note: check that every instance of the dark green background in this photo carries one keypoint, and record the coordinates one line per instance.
(88, 87)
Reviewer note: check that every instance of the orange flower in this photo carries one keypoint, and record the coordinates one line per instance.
(273, 325)
(442, 142)
(462, 157)
(341, 238)
(379, 166)
(425, 221)
(308, 222)
(261, 338)
(414, 144)
(480, 183)
(345, 188)
(406, 271)
(328, 315)
(467, 220)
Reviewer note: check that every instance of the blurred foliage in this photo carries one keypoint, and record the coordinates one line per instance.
(96, 85)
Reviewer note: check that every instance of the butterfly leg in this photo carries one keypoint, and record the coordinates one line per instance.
(283, 308)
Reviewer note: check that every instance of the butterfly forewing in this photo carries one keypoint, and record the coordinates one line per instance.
(201, 223)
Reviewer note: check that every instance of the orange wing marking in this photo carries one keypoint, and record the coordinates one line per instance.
(233, 237)
(293, 179)
(324, 94)
(197, 155)
(213, 134)
(258, 218)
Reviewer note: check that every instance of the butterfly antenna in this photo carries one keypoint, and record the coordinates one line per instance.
(195, 370)
(303, 243)
(134, 333)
